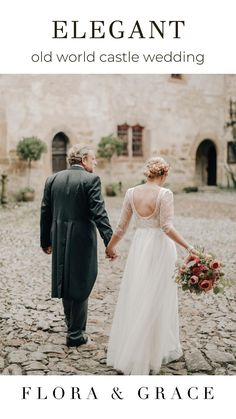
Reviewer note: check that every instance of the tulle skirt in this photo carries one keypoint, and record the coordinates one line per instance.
(145, 330)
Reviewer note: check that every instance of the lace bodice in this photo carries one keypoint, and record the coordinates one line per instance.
(162, 216)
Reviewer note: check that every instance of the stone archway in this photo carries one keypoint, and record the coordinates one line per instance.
(206, 163)
(60, 144)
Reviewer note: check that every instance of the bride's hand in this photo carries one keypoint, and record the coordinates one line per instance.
(193, 251)
(111, 252)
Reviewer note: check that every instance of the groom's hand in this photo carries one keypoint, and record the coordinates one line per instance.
(47, 250)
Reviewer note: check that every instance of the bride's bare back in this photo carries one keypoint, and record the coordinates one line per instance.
(151, 206)
(145, 199)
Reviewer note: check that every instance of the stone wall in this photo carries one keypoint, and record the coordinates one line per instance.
(177, 115)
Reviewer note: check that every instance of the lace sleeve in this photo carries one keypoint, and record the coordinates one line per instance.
(125, 217)
(167, 211)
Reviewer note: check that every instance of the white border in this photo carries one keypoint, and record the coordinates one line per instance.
(26, 29)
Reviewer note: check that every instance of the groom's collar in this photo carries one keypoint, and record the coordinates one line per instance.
(76, 166)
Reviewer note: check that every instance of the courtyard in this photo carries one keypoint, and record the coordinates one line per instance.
(32, 329)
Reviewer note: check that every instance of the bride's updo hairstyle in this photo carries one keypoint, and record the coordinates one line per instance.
(156, 167)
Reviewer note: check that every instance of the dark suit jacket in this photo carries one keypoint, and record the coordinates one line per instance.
(72, 207)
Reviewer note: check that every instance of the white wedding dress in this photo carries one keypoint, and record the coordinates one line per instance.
(145, 329)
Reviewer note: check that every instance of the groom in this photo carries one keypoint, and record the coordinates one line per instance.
(72, 208)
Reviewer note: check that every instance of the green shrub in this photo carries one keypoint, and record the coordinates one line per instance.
(190, 189)
(28, 149)
(110, 146)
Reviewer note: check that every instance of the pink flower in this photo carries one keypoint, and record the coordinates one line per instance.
(196, 270)
(193, 280)
(215, 264)
(191, 258)
(206, 285)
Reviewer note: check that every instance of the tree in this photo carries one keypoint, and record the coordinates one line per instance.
(110, 146)
(28, 149)
(107, 148)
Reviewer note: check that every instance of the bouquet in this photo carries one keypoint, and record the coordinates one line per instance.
(201, 273)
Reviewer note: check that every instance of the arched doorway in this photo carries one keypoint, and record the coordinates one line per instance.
(206, 163)
(59, 149)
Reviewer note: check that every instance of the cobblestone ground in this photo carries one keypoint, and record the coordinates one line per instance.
(32, 330)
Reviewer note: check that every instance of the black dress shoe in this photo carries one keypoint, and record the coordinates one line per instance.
(76, 342)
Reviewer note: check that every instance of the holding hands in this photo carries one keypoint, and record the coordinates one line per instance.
(111, 247)
(47, 250)
(111, 252)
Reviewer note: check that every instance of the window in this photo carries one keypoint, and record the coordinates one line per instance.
(231, 154)
(133, 139)
(177, 76)
(137, 140)
(122, 133)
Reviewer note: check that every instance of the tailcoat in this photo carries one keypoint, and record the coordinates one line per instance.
(72, 207)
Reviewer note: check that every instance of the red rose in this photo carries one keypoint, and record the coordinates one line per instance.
(215, 264)
(193, 280)
(196, 270)
(206, 285)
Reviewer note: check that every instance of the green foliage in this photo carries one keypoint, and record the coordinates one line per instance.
(27, 189)
(189, 189)
(110, 146)
(217, 290)
(23, 192)
(30, 148)
(112, 189)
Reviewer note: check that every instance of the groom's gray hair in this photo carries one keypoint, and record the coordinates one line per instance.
(77, 152)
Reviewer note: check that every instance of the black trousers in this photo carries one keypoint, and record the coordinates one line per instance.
(75, 317)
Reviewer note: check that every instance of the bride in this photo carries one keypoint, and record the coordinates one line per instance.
(145, 329)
